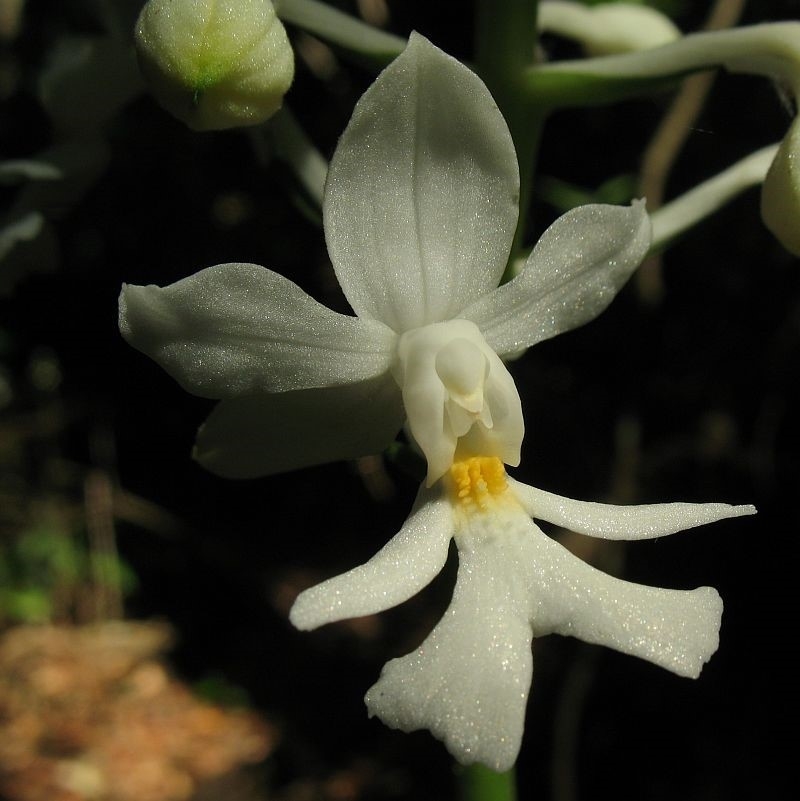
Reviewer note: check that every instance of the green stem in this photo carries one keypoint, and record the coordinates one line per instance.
(506, 37)
(686, 211)
(478, 783)
(505, 45)
(771, 50)
(373, 47)
(294, 147)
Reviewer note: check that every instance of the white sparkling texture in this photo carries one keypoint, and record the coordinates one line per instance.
(420, 209)
(406, 564)
(468, 682)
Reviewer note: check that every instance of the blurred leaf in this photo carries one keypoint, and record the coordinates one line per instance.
(30, 605)
(563, 196)
(21, 254)
(87, 81)
(17, 170)
(24, 229)
(217, 689)
(110, 565)
(80, 161)
(50, 556)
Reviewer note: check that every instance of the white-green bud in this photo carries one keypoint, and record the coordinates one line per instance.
(609, 28)
(780, 195)
(215, 63)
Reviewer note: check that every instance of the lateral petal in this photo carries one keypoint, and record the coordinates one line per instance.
(406, 564)
(468, 682)
(240, 328)
(259, 435)
(609, 522)
(576, 269)
(422, 193)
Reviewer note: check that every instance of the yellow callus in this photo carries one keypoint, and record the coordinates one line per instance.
(476, 482)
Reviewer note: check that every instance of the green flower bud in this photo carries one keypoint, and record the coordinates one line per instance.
(780, 195)
(215, 63)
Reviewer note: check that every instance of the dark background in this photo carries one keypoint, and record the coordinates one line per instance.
(692, 397)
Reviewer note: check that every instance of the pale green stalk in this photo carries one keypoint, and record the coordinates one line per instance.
(681, 214)
(337, 28)
(505, 44)
(296, 149)
(478, 783)
(771, 50)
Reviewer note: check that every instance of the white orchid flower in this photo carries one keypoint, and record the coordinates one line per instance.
(468, 682)
(420, 209)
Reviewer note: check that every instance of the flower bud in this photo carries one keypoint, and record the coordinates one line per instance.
(624, 28)
(609, 28)
(780, 195)
(215, 63)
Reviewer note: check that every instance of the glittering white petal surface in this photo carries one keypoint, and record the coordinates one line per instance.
(421, 200)
(676, 629)
(577, 267)
(238, 328)
(258, 435)
(406, 564)
(468, 682)
(621, 522)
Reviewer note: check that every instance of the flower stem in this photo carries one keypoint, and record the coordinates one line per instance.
(375, 47)
(771, 50)
(505, 44)
(689, 209)
(478, 783)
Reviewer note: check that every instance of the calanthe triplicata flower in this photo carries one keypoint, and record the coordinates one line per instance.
(468, 682)
(420, 209)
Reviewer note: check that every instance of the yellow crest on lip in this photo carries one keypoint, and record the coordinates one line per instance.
(477, 481)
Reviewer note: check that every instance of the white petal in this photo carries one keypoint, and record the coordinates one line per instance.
(258, 435)
(406, 564)
(574, 272)
(421, 200)
(609, 522)
(468, 682)
(676, 629)
(238, 328)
